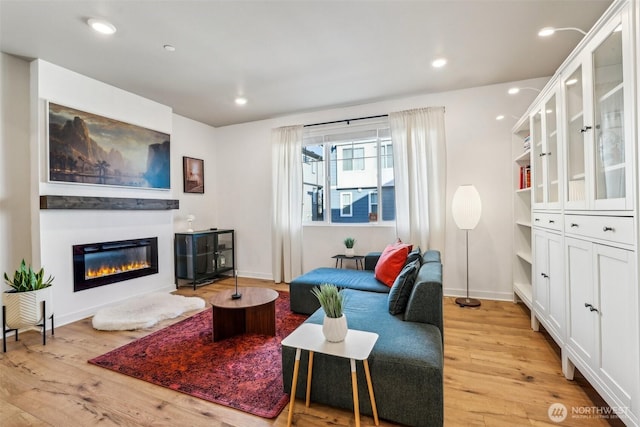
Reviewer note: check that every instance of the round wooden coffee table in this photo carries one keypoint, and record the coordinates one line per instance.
(254, 312)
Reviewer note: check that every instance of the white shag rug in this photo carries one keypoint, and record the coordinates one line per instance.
(144, 311)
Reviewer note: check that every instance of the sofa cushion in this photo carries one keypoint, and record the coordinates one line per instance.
(425, 302)
(431, 256)
(303, 301)
(402, 286)
(391, 262)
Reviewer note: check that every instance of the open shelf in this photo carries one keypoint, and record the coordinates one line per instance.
(525, 257)
(524, 292)
(524, 158)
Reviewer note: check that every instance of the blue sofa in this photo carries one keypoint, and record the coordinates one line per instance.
(407, 360)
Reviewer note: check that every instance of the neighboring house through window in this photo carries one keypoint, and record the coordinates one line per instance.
(352, 164)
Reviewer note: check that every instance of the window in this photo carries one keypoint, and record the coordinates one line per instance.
(345, 204)
(353, 165)
(386, 156)
(353, 159)
(373, 206)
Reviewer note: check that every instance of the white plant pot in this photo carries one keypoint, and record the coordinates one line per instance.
(334, 329)
(349, 252)
(24, 309)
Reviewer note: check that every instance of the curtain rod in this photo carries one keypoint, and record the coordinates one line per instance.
(347, 120)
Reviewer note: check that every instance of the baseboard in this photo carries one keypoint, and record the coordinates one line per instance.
(254, 275)
(491, 295)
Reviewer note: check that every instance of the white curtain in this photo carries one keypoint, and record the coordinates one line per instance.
(419, 164)
(286, 225)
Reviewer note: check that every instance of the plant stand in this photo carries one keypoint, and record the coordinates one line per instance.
(43, 325)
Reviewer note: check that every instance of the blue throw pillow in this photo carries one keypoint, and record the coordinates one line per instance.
(414, 255)
(402, 287)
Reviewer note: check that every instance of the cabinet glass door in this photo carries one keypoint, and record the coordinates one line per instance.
(225, 251)
(203, 250)
(608, 91)
(551, 150)
(537, 149)
(575, 140)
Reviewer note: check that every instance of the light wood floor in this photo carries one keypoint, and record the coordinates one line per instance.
(498, 372)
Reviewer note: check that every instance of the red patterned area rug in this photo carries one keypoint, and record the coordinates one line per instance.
(242, 372)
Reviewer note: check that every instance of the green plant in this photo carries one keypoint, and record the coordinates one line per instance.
(331, 299)
(26, 279)
(349, 242)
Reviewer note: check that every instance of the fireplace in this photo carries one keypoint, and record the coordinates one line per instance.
(99, 264)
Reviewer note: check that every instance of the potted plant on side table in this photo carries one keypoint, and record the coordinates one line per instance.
(28, 303)
(349, 242)
(334, 325)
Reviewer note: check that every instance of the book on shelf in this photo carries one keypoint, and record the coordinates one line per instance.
(525, 177)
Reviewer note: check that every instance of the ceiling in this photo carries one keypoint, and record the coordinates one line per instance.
(293, 56)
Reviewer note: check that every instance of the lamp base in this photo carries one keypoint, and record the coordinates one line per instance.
(236, 296)
(467, 302)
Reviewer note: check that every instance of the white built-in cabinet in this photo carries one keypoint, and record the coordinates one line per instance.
(576, 258)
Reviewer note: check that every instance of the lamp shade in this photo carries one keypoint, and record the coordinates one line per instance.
(466, 207)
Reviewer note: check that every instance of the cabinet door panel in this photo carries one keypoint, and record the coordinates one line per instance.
(540, 272)
(556, 285)
(583, 324)
(552, 152)
(618, 358)
(576, 159)
(537, 152)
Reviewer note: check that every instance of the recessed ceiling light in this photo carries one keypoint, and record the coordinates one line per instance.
(101, 26)
(439, 63)
(241, 100)
(571, 82)
(169, 48)
(513, 90)
(500, 117)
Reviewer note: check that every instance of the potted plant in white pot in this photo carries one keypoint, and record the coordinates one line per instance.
(23, 302)
(334, 325)
(348, 243)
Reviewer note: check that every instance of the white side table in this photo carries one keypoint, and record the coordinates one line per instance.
(356, 346)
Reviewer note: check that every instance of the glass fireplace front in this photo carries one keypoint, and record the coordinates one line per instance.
(99, 264)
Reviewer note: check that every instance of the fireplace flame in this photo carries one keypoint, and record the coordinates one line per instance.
(109, 270)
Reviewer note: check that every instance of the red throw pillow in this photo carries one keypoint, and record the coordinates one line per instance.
(391, 262)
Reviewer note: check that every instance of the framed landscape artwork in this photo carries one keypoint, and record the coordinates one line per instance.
(86, 148)
(193, 175)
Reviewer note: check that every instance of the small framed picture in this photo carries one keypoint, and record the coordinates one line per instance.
(193, 175)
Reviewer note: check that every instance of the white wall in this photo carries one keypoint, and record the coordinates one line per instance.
(15, 233)
(478, 152)
(193, 139)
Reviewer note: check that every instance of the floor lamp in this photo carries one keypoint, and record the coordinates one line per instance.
(466, 208)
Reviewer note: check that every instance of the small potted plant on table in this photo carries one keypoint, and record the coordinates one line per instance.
(334, 325)
(349, 242)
